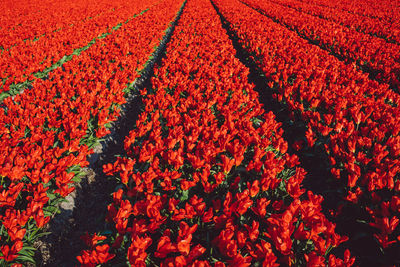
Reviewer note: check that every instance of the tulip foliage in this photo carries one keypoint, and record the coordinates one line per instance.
(47, 132)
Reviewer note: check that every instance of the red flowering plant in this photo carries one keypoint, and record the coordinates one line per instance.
(343, 112)
(28, 21)
(47, 133)
(369, 52)
(206, 178)
(384, 27)
(30, 60)
(384, 11)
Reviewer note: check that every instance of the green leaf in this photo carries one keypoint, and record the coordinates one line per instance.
(25, 259)
(27, 254)
(185, 195)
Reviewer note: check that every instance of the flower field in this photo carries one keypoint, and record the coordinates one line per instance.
(263, 133)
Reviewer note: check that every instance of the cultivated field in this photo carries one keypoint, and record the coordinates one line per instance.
(200, 133)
